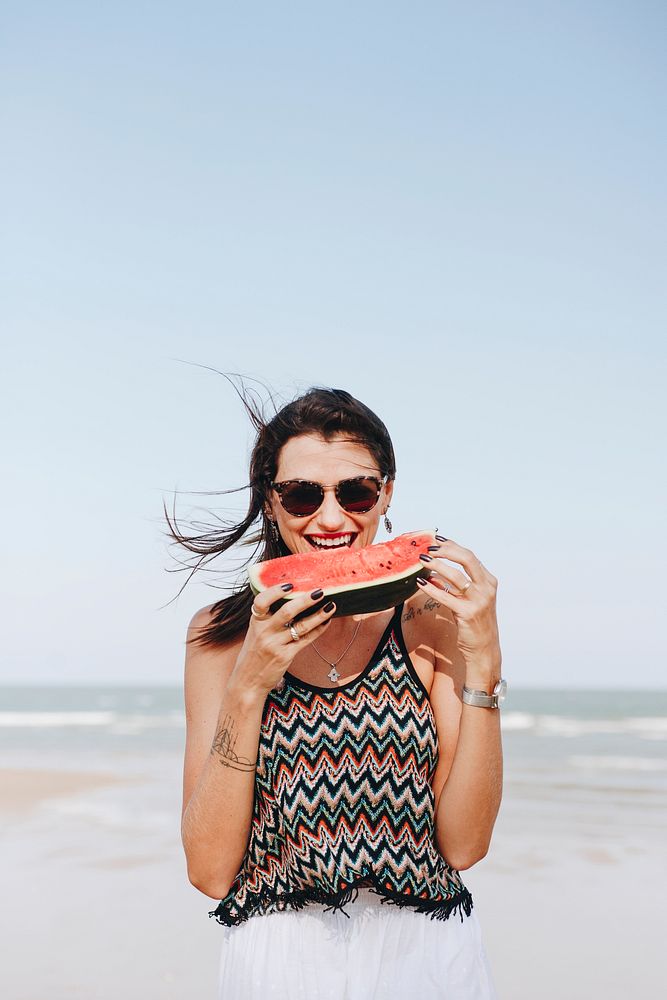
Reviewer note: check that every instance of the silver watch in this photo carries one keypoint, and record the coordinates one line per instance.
(480, 699)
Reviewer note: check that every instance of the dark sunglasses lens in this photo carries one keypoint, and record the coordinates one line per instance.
(358, 496)
(301, 499)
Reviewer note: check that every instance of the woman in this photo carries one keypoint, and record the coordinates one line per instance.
(330, 811)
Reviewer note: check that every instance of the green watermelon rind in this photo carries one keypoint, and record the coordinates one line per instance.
(362, 598)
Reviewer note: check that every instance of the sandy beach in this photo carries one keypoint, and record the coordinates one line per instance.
(94, 912)
(98, 907)
(98, 904)
(22, 790)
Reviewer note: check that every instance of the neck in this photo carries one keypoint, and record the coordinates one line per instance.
(340, 631)
(333, 659)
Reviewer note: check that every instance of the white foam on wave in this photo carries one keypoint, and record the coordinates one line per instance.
(517, 720)
(138, 723)
(616, 763)
(38, 720)
(115, 721)
(649, 728)
(645, 728)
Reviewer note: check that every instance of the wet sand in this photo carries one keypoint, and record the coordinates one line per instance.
(97, 903)
(22, 790)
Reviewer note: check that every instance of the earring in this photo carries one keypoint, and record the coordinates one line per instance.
(387, 523)
(273, 528)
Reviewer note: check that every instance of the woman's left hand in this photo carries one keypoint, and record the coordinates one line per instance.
(470, 596)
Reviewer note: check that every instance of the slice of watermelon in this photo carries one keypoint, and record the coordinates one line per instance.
(359, 581)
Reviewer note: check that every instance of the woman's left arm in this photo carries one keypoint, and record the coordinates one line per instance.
(468, 784)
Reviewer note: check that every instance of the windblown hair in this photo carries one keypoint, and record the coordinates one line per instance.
(325, 412)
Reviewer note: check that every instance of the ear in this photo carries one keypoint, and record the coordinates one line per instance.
(268, 511)
(387, 494)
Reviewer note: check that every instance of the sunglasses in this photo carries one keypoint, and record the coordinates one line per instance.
(301, 498)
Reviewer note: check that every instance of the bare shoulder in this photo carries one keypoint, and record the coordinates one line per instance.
(430, 626)
(200, 620)
(429, 631)
(207, 668)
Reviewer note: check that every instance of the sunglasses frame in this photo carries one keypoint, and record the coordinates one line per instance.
(278, 487)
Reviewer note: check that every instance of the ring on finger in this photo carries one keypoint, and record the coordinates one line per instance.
(293, 632)
(255, 613)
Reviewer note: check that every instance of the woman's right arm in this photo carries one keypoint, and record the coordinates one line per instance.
(225, 691)
(222, 735)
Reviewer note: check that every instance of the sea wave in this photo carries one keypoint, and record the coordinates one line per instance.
(618, 763)
(646, 728)
(119, 723)
(113, 721)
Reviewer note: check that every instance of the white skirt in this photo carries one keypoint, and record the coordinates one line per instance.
(379, 952)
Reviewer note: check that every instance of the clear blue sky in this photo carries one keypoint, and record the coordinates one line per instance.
(455, 211)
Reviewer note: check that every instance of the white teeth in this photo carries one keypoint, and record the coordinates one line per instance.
(332, 543)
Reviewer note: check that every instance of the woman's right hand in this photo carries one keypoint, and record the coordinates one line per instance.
(269, 646)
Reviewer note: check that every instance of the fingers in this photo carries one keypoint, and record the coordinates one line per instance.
(308, 629)
(453, 577)
(450, 550)
(296, 608)
(262, 604)
(274, 639)
(465, 593)
(436, 589)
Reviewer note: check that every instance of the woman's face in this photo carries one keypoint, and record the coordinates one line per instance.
(327, 462)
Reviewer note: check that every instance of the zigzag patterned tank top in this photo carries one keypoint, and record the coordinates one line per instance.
(343, 796)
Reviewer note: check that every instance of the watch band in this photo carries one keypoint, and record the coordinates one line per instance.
(480, 699)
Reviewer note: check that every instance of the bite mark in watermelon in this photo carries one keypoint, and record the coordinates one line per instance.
(359, 581)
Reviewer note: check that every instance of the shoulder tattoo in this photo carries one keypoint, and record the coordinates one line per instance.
(430, 604)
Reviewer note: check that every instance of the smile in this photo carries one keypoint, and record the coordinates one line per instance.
(337, 541)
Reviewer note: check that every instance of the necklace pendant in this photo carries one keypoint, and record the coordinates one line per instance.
(333, 674)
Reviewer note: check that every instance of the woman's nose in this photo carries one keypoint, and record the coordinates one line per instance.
(331, 515)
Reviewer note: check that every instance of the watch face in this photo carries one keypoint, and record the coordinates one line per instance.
(500, 691)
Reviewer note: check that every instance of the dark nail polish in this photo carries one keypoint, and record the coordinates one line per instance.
(433, 548)
(421, 581)
(287, 586)
(425, 558)
(441, 538)
(316, 594)
(329, 606)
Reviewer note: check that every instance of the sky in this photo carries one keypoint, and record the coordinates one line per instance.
(456, 212)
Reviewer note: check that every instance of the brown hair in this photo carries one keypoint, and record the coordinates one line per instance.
(322, 411)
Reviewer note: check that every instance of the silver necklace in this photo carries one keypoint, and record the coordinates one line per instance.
(333, 674)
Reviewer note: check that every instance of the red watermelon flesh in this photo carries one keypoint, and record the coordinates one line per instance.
(359, 581)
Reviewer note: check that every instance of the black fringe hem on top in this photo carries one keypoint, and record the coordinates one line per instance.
(436, 909)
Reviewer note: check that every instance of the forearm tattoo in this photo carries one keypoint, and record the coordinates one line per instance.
(430, 604)
(223, 747)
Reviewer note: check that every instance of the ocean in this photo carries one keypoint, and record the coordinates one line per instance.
(583, 754)
(573, 882)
